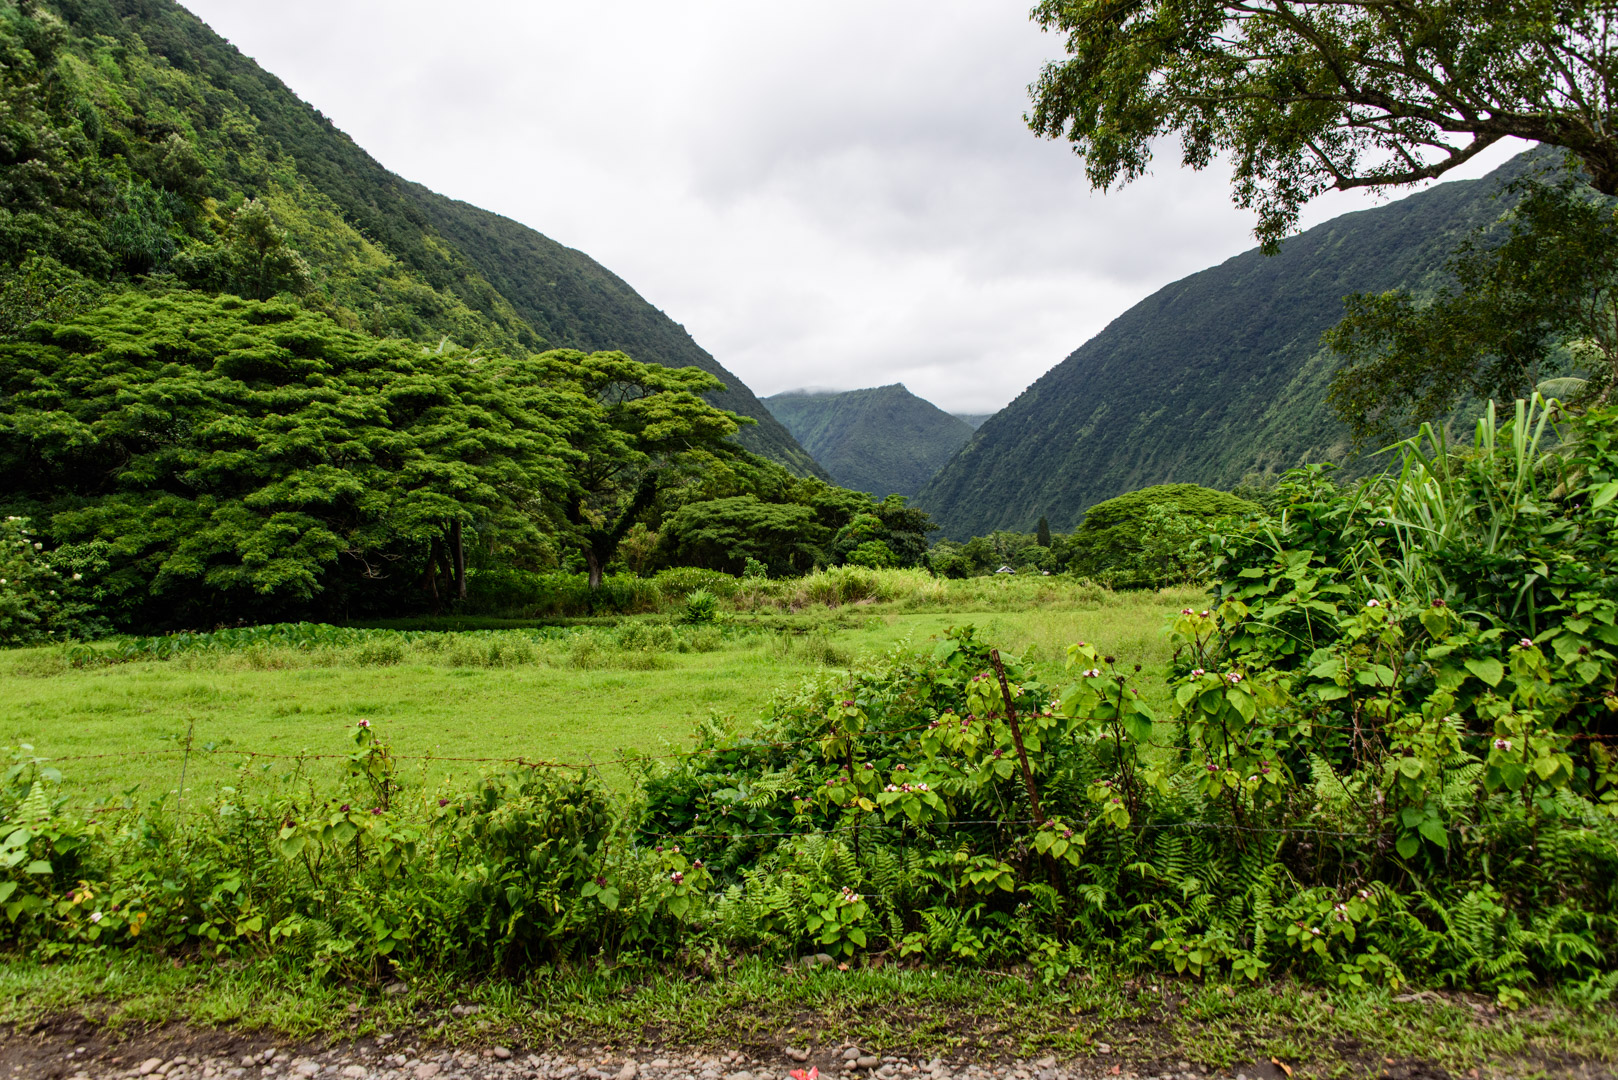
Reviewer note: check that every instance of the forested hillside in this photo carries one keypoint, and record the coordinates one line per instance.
(885, 440)
(140, 147)
(1215, 378)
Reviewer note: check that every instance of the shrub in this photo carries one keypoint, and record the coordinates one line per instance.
(1150, 537)
(43, 597)
(701, 606)
(676, 582)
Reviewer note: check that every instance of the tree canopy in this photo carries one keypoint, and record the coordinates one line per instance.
(1305, 97)
(636, 430)
(209, 451)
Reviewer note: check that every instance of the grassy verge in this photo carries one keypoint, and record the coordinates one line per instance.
(754, 1005)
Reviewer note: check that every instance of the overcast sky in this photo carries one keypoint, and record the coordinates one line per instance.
(834, 194)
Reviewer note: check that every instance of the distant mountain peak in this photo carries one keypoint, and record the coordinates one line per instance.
(882, 439)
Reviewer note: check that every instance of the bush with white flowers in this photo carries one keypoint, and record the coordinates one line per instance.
(40, 598)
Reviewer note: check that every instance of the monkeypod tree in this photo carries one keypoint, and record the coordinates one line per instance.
(228, 459)
(1303, 98)
(634, 431)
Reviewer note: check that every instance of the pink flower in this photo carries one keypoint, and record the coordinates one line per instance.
(364, 723)
(676, 877)
(1502, 744)
(1185, 611)
(1197, 673)
(1373, 603)
(1234, 677)
(1526, 643)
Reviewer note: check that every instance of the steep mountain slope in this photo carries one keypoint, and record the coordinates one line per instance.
(571, 299)
(136, 136)
(975, 420)
(1211, 379)
(884, 440)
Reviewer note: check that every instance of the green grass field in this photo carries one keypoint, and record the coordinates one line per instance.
(583, 696)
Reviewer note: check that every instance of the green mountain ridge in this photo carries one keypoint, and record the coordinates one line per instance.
(135, 136)
(884, 440)
(1213, 379)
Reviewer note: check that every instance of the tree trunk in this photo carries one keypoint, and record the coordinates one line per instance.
(594, 560)
(458, 554)
(430, 578)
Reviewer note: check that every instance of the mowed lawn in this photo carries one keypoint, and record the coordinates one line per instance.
(113, 728)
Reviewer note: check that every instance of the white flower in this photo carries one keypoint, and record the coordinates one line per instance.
(76, 577)
(1502, 744)
(1197, 673)
(1373, 603)
(95, 916)
(1089, 673)
(1526, 643)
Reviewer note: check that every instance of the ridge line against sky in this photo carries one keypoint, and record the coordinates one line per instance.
(840, 194)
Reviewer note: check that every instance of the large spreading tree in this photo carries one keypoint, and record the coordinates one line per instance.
(221, 459)
(635, 431)
(1307, 96)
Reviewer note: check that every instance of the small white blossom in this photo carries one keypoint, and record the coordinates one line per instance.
(1502, 744)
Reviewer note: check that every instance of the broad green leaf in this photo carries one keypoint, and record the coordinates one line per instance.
(1137, 727)
(1488, 669)
(1433, 830)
